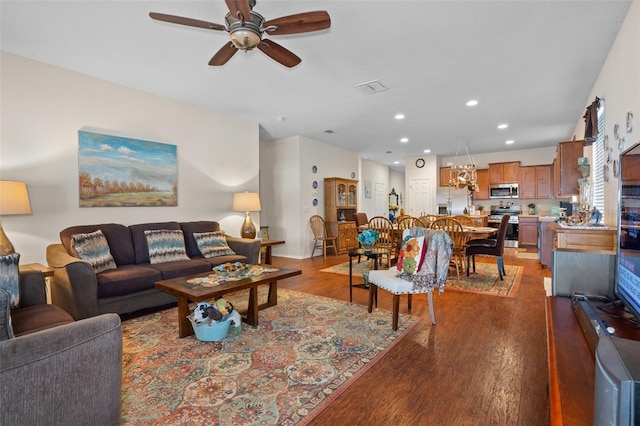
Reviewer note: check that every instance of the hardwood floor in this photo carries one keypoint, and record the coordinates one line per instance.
(484, 363)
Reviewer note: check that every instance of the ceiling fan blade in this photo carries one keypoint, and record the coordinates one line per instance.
(299, 23)
(223, 55)
(279, 53)
(241, 6)
(186, 21)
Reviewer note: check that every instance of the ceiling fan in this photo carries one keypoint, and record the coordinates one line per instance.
(247, 28)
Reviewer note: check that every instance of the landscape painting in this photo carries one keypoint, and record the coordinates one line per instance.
(116, 171)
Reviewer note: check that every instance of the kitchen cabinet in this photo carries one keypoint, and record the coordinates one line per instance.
(482, 180)
(527, 231)
(584, 239)
(445, 173)
(504, 172)
(565, 172)
(340, 206)
(535, 182)
(630, 168)
(545, 243)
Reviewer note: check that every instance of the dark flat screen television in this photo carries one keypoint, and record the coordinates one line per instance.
(617, 381)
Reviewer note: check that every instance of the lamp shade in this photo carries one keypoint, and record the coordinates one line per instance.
(14, 198)
(246, 202)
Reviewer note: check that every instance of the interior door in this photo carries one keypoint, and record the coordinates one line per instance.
(422, 197)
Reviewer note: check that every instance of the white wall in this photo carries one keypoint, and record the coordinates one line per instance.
(376, 173)
(619, 85)
(286, 167)
(43, 107)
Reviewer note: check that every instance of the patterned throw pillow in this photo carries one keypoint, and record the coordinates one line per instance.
(166, 245)
(10, 277)
(93, 248)
(212, 244)
(411, 255)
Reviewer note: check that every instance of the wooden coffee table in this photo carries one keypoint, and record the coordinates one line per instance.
(186, 292)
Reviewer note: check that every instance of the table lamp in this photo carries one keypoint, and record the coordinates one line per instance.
(247, 202)
(14, 199)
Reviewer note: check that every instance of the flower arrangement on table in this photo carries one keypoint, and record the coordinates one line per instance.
(367, 238)
(393, 207)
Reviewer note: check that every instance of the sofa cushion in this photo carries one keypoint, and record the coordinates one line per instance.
(6, 330)
(10, 277)
(127, 279)
(165, 245)
(189, 228)
(212, 244)
(118, 237)
(38, 317)
(140, 245)
(171, 270)
(94, 248)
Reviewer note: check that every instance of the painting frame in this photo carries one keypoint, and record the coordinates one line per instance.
(119, 171)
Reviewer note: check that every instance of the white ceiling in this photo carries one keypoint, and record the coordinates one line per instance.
(530, 64)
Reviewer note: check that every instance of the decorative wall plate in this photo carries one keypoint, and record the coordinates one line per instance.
(315, 184)
(315, 202)
(629, 122)
(616, 170)
(616, 130)
(605, 173)
(605, 142)
(621, 144)
(314, 169)
(353, 175)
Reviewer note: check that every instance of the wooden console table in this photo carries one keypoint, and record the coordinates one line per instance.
(572, 363)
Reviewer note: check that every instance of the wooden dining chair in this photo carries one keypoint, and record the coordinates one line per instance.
(455, 231)
(386, 237)
(464, 220)
(321, 240)
(428, 219)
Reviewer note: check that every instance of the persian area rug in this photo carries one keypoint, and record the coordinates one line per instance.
(486, 281)
(306, 351)
(358, 268)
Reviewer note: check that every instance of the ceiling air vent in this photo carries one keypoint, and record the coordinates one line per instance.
(371, 87)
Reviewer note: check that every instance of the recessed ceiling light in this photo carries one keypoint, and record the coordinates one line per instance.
(281, 118)
(426, 151)
(396, 162)
(472, 102)
(503, 126)
(404, 140)
(509, 142)
(399, 117)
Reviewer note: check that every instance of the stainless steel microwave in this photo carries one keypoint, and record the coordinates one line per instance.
(504, 190)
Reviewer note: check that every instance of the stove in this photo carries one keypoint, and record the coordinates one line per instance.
(495, 218)
(498, 211)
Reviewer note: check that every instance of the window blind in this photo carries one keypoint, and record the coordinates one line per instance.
(598, 155)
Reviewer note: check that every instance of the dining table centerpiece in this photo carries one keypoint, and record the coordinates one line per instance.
(367, 238)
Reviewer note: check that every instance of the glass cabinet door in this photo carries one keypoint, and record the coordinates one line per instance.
(352, 194)
(342, 194)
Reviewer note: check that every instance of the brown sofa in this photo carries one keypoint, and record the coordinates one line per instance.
(131, 286)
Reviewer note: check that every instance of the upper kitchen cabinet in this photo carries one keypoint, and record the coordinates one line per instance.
(445, 175)
(630, 168)
(482, 180)
(565, 172)
(535, 182)
(504, 172)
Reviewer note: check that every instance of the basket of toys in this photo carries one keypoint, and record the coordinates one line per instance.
(212, 322)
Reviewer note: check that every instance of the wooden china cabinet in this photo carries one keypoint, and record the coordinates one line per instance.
(340, 206)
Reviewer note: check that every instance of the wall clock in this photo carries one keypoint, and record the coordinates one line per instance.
(420, 163)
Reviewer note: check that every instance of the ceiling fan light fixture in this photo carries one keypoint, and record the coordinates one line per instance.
(245, 35)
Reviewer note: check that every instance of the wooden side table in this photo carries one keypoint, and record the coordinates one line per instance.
(267, 244)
